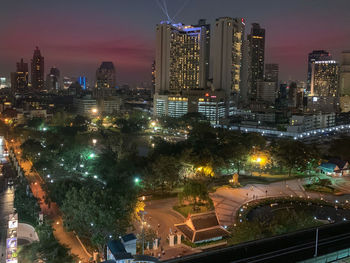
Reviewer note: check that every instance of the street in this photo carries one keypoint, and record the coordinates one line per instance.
(6, 208)
(52, 211)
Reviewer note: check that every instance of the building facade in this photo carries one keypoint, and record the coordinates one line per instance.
(227, 54)
(85, 106)
(316, 55)
(256, 40)
(53, 80)
(180, 58)
(19, 79)
(324, 78)
(106, 79)
(344, 82)
(38, 69)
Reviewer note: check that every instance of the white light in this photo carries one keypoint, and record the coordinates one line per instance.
(82, 165)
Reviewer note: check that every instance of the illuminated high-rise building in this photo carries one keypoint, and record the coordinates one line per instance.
(19, 79)
(37, 66)
(324, 78)
(180, 58)
(206, 34)
(227, 53)
(344, 90)
(256, 40)
(316, 55)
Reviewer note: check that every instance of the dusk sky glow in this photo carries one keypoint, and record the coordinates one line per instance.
(77, 35)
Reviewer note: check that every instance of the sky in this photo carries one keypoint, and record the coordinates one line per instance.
(77, 35)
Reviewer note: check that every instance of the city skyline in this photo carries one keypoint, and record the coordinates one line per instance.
(105, 33)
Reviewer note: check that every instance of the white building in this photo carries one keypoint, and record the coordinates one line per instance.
(172, 106)
(308, 122)
(85, 106)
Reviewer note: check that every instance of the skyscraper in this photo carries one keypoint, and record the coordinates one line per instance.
(53, 80)
(316, 55)
(19, 79)
(271, 72)
(206, 35)
(257, 57)
(180, 58)
(227, 54)
(324, 78)
(344, 90)
(106, 76)
(37, 66)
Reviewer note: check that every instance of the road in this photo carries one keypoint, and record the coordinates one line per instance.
(52, 210)
(6, 208)
(161, 217)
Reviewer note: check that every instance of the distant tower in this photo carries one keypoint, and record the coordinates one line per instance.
(37, 66)
(257, 57)
(106, 80)
(227, 54)
(316, 55)
(53, 80)
(271, 72)
(19, 79)
(106, 76)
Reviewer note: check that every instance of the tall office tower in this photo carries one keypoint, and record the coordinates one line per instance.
(37, 66)
(344, 90)
(271, 72)
(316, 55)
(180, 58)
(227, 54)
(153, 78)
(106, 76)
(206, 34)
(53, 80)
(19, 79)
(324, 78)
(256, 40)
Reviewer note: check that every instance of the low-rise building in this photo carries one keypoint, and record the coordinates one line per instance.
(85, 106)
(203, 227)
(308, 122)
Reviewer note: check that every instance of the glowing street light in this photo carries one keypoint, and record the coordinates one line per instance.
(94, 141)
(94, 110)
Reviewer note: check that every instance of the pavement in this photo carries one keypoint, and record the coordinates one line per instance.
(6, 208)
(52, 211)
(227, 201)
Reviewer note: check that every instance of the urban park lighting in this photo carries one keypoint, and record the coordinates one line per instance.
(92, 155)
(94, 141)
(137, 180)
(94, 110)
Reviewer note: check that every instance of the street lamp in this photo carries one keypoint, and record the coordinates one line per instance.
(94, 141)
(94, 110)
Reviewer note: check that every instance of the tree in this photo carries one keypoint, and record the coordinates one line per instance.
(35, 123)
(47, 249)
(164, 173)
(294, 155)
(30, 149)
(97, 212)
(195, 191)
(340, 148)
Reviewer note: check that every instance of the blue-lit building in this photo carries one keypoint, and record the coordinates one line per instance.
(83, 82)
